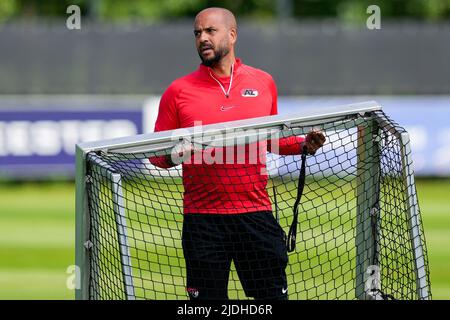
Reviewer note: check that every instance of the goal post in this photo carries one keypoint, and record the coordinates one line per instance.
(412, 205)
(359, 236)
(81, 226)
(367, 193)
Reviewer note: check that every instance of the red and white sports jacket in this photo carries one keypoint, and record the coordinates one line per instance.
(223, 188)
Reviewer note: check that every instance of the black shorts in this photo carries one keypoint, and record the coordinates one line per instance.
(254, 242)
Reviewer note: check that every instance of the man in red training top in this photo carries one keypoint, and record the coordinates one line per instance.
(227, 210)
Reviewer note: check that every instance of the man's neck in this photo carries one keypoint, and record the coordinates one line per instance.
(223, 67)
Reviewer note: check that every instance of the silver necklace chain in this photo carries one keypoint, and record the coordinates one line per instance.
(226, 93)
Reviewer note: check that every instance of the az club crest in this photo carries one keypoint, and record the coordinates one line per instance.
(249, 93)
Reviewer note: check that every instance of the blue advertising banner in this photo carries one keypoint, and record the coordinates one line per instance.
(41, 143)
(426, 118)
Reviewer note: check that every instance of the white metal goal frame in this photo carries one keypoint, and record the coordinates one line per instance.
(306, 119)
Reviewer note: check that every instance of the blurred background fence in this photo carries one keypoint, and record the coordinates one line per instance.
(305, 58)
(59, 87)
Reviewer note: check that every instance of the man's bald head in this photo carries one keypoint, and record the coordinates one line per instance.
(215, 33)
(225, 16)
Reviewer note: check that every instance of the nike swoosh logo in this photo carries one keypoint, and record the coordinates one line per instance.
(284, 290)
(224, 108)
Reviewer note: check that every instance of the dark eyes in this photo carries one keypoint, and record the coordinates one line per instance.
(207, 30)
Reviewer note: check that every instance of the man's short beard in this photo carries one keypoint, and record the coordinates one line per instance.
(218, 55)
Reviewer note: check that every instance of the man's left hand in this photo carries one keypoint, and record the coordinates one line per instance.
(313, 141)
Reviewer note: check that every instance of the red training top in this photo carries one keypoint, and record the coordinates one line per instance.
(223, 187)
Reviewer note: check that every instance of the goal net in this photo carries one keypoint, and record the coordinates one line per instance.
(351, 221)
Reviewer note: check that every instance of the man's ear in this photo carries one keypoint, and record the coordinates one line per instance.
(233, 35)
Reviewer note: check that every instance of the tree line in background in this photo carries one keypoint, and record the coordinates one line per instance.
(161, 10)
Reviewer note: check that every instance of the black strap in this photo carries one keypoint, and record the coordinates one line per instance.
(292, 235)
(274, 190)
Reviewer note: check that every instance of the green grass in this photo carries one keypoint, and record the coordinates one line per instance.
(434, 200)
(37, 228)
(37, 240)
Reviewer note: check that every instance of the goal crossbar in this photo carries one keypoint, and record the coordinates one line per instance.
(163, 139)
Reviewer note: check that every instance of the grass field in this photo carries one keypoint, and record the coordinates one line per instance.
(37, 228)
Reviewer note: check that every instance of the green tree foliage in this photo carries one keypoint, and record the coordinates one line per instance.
(427, 10)
(157, 10)
(29, 9)
(7, 9)
(170, 9)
